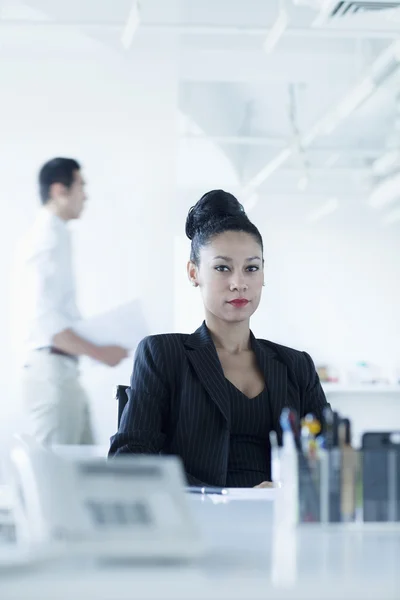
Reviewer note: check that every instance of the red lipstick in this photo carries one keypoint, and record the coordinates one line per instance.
(239, 302)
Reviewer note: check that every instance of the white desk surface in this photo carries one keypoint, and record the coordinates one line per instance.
(246, 560)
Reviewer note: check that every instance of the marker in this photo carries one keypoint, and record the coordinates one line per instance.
(311, 425)
(314, 426)
(348, 472)
(346, 426)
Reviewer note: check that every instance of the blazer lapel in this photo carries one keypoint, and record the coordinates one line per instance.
(275, 374)
(203, 356)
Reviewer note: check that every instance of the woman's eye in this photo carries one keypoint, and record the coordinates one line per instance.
(221, 268)
(252, 268)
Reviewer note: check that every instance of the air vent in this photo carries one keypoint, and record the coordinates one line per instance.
(345, 9)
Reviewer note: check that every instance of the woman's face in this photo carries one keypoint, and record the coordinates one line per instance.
(230, 275)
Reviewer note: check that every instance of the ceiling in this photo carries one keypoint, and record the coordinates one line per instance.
(255, 105)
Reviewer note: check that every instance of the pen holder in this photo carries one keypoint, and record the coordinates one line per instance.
(344, 485)
(327, 486)
(340, 485)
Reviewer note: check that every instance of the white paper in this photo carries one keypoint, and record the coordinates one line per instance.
(234, 494)
(123, 326)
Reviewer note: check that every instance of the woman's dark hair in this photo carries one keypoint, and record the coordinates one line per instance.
(57, 170)
(216, 212)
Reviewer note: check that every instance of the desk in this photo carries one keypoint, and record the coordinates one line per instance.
(244, 558)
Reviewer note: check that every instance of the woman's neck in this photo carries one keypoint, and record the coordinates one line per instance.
(233, 338)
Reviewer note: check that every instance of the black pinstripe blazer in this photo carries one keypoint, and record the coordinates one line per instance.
(178, 400)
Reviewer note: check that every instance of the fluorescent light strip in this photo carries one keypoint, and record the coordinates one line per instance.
(270, 168)
(277, 31)
(131, 26)
(326, 209)
(302, 184)
(391, 217)
(332, 160)
(348, 105)
(386, 163)
(251, 202)
(325, 11)
(385, 192)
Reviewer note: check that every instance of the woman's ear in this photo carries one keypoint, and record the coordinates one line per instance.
(192, 273)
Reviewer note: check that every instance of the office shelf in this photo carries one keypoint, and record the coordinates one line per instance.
(366, 388)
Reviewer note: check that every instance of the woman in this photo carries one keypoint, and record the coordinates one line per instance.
(213, 397)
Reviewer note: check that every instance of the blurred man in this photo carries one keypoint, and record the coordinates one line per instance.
(56, 404)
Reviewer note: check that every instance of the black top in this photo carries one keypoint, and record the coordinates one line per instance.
(179, 403)
(249, 460)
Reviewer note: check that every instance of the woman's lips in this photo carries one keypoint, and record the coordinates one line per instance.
(239, 302)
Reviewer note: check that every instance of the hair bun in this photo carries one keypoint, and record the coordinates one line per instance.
(214, 205)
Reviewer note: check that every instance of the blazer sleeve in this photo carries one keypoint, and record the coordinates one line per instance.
(314, 400)
(144, 422)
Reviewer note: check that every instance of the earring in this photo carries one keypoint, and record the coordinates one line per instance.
(264, 284)
(194, 284)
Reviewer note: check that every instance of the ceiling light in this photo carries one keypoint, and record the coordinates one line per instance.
(326, 209)
(391, 217)
(303, 183)
(131, 26)
(250, 202)
(332, 160)
(325, 7)
(278, 29)
(386, 164)
(270, 168)
(348, 105)
(385, 192)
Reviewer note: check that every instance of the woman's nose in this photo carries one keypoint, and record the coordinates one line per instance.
(239, 285)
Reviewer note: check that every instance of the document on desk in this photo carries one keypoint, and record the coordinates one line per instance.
(244, 494)
(123, 326)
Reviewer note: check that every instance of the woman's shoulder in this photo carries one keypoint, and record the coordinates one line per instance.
(298, 362)
(284, 351)
(164, 341)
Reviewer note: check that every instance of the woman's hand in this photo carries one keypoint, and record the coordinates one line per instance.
(265, 484)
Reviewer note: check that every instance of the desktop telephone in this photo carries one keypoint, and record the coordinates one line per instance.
(132, 506)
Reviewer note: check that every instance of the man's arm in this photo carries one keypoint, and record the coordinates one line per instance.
(72, 343)
(55, 325)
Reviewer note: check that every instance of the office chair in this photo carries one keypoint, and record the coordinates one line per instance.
(121, 396)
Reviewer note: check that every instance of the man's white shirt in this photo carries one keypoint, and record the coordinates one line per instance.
(45, 302)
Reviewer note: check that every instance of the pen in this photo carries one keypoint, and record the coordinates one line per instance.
(295, 428)
(207, 490)
(308, 497)
(331, 421)
(328, 427)
(346, 425)
(275, 456)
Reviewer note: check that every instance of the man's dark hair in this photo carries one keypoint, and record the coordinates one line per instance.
(57, 170)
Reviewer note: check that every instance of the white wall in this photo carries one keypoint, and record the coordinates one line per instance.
(118, 118)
